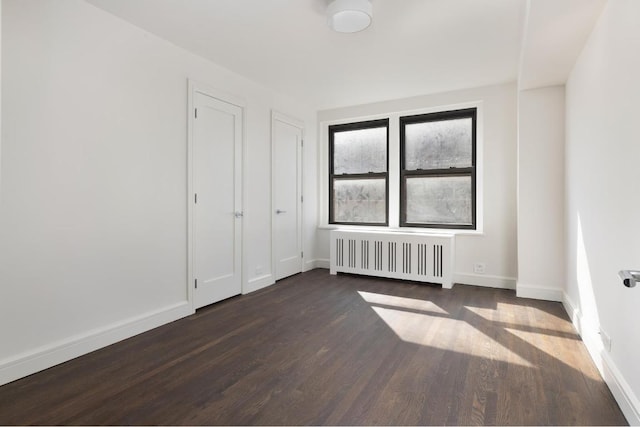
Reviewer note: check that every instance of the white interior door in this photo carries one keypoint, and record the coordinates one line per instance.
(217, 198)
(287, 196)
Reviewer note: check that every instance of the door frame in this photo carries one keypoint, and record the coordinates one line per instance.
(285, 118)
(194, 87)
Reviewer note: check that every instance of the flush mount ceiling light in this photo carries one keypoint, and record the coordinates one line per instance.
(349, 16)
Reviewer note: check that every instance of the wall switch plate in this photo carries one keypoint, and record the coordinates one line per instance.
(479, 267)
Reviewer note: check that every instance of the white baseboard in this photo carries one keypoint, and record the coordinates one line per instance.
(574, 313)
(627, 400)
(258, 283)
(622, 392)
(61, 351)
(484, 280)
(539, 292)
(316, 263)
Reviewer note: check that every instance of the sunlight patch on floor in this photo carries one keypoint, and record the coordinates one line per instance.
(423, 329)
(401, 302)
(537, 318)
(555, 347)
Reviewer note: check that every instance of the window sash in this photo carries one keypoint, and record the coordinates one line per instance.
(441, 172)
(360, 176)
(462, 172)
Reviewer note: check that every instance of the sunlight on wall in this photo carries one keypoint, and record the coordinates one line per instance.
(586, 298)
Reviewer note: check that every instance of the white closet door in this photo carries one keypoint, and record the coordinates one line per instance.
(217, 215)
(287, 179)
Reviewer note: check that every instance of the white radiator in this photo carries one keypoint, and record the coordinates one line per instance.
(423, 258)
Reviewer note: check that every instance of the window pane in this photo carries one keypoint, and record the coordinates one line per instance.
(360, 151)
(359, 200)
(438, 145)
(439, 200)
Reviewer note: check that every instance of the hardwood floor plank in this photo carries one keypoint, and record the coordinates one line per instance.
(317, 349)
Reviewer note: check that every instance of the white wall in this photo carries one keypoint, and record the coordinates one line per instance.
(496, 245)
(93, 212)
(0, 100)
(541, 253)
(603, 207)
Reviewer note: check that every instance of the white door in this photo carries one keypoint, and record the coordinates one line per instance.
(217, 212)
(287, 196)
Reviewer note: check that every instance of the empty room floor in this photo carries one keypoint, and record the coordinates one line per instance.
(334, 350)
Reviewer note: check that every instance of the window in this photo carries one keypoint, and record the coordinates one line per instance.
(438, 170)
(358, 173)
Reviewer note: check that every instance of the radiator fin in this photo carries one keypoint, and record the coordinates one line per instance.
(352, 253)
(392, 257)
(437, 260)
(364, 254)
(422, 259)
(406, 258)
(377, 255)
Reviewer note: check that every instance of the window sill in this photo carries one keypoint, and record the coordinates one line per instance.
(413, 230)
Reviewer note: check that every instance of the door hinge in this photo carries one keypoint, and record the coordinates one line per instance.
(301, 254)
(196, 283)
(302, 142)
(196, 113)
(195, 198)
(301, 199)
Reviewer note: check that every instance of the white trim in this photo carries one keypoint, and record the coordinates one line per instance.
(297, 123)
(627, 400)
(217, 93)
(316, 263)
(539, 292)
(240, 102)
(484, 280)
(191, 90)
(66, 349)
(411, 230)
(394, 147)
(285, 118)
(622, 392)
(572, 311)
(588, 332)
(258, 283)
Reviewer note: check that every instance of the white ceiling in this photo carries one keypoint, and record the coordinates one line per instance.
(413, 47)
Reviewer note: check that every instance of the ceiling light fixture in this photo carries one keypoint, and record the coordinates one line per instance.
(349, 16)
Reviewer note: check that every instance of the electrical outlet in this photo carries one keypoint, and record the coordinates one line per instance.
(606, 340)
(479, 267)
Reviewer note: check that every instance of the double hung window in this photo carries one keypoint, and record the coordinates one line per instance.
(432, 184)
(437, 170)
(358, 173)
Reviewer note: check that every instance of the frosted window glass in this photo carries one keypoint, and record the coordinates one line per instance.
(359, 200)
(438, 145)
(360, 151)
(441, 200)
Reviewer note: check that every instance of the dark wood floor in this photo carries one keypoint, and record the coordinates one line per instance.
(321, 349)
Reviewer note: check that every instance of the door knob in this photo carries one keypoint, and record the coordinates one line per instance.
(238, 214)
(279, 211)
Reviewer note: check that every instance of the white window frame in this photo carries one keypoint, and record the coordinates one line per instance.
(394, 171)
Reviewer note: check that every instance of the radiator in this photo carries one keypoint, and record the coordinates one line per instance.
(423, 258)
